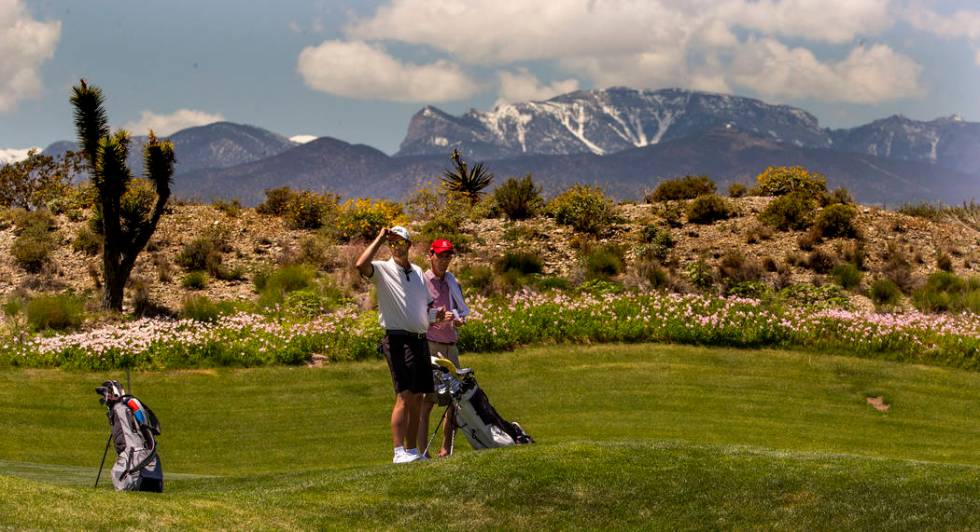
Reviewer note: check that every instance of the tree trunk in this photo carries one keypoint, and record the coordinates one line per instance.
(115, 283)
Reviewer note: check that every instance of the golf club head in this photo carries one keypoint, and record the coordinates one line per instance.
(109, 392)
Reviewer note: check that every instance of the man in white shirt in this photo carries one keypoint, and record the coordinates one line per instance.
(403, 307)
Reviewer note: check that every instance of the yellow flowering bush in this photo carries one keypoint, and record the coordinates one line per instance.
(364, 218)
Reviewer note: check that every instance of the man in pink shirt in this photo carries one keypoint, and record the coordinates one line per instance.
(448, 297)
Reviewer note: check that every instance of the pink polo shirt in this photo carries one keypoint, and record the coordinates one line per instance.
(442, 332)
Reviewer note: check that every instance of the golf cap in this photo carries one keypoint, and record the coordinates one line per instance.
(441, 245)
(401, 231)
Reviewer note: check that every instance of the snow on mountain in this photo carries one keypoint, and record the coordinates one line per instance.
(603, 122)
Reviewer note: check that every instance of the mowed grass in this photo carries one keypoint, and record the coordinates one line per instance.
(628, 436)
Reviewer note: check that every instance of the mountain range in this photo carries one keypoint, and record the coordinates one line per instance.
(622, 139)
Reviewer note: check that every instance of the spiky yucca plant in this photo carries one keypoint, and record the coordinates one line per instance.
(464, 181)
(125, 233)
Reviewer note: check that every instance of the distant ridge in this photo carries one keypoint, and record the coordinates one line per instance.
(216, 145)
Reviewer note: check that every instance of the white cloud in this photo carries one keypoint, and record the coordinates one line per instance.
(961, 24)
(360, 70)
(25, 44)
(167, 124)
(524, 30)
(12, 155)
(522, 86)
(652, 43)
(837, 21)
(867, 75)
(976, 57)
(303, 139)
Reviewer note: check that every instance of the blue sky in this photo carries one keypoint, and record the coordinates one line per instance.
(359, 70)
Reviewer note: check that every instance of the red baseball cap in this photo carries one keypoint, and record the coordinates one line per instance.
(441, 245)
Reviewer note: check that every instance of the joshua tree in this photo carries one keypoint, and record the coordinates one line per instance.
(468, 183)
(125, 232)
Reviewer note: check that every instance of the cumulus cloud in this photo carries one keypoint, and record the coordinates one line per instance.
(867, 75)
(658, 43)
(167, 124)
(25, 43)
(303, 139)
(961, 24)
(12, 155)
(522, 86)
(556, 30)
(837, 21)
(360, 70)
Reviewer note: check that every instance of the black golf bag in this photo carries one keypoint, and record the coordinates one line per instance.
(476, 418)
(134, 431)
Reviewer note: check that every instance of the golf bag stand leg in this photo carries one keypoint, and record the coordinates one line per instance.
(438, 425)
(101, 464)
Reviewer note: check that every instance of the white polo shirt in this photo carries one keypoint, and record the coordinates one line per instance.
(403, 299)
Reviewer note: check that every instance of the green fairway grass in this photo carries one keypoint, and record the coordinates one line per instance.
(637, 435)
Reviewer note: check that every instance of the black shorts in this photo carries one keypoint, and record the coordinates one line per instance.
(408, 360)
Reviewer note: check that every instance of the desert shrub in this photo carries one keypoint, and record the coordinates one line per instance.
(521, 262)
(309, 210)
(87, 242)
(658, 243)
(57, 312)
(944, 263)
(791, 211)
(586, 209)
(447, 224)
(853, 252)
(274, 285)
(200, 308)
(317, 251)
(896, 267)
(519, 199)
(813, 297)
(707, 209)
(363, 218)
(884, 293)
(749, 289)
(820, 261)
(809, 239)
(603, 262)
(424, 202)
(734, 268)
(783, 180)
(31, 251)
(847, 275)
(837, 220)
(231, 208)
(195, 280)
(35, 239)
(276, 201)
(946, 292)
(201, 254)
(477, 278)
(737, 190)
(682, 188)
(672, 214)
(700, 275)
(769, 264)
(758, 232)
(653, 273)
(839, 195)
(229, 273)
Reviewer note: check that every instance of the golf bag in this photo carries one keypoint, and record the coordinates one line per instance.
(134, 431)
(476, 418)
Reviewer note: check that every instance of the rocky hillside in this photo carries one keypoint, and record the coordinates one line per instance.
(255, 241)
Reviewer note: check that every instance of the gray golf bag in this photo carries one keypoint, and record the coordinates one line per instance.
(476, 418)
(134, 431)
